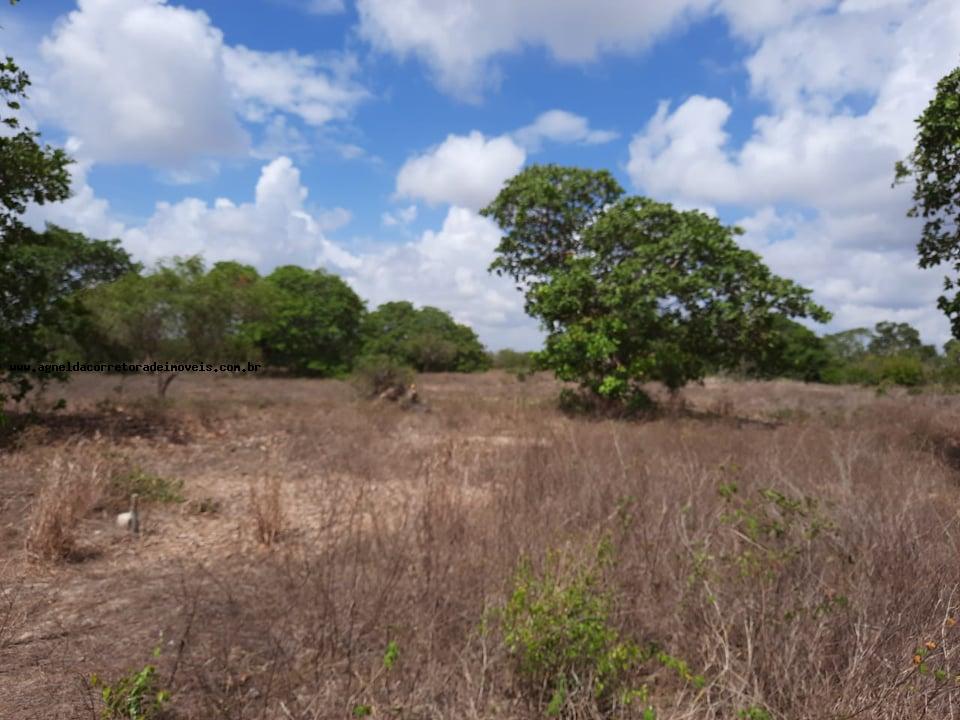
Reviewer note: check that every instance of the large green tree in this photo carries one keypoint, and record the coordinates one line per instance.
(312, 321)
(427, 339)
(630, 290)
(40, 272)
(41, 276)
(934, 166)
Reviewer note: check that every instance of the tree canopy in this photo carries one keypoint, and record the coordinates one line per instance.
(934, 166)
(631, 290)
(311, 321)
(179, 313)
(29, 171)
(427, 339)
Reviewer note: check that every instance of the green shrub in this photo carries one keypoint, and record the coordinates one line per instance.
(905, 370)
(375, 374)
(558, 632)
(949, 374)
(150, 488)
(132, 697)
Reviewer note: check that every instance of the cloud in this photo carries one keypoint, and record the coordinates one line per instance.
(144, 81)
(859, 283)
(447, 268)
(266, 82)
(140, 81)
(563, 127)
(273, 230)
(796, 156)
(403, 216)
(280, 137)
(460, 41)
(83, 211)
(457, 40)
(753, 18)
(464, 170)
(334, 219)
(814, 175)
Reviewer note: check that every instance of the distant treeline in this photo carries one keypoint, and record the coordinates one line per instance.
(294, 321)
(889, 354)
(70, 299)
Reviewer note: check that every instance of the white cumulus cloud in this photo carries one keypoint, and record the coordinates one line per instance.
(464, 170)
(458, 39)
(447, 268)
(145, 81)
(140, 81)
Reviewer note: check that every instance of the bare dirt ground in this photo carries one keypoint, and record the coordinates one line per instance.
(406, 527)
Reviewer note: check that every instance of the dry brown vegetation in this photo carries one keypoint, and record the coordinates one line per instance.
(790, 550)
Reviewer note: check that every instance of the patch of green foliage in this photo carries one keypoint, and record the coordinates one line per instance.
(133, 697)
(890, 354)
(391, 655)
(311, 322)
(792, 351)
(427, 339)
(520, 364)
(150, 488)
(776, 525)
(559, 632)
(178, 313)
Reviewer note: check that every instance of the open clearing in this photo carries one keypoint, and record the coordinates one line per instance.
(794, 545)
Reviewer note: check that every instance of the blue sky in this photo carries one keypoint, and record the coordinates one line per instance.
(363, 135)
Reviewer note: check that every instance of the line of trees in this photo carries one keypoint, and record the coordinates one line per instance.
(890, 353)
(294, 320)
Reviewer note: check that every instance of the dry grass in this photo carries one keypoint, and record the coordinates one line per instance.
(266, 509)
(73, 485)
(796, 546)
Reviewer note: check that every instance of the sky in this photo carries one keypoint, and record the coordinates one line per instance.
(363, 136)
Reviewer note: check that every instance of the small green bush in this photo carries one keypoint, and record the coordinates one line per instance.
(150, 488)
(375, 374)
(557, 629)
(902, 370)
(132, 697)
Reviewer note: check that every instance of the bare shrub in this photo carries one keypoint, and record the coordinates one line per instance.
(72, 486)
(12, 613)
(266, 509)
(377, 375)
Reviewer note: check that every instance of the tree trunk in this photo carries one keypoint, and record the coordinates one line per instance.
(163, 382)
